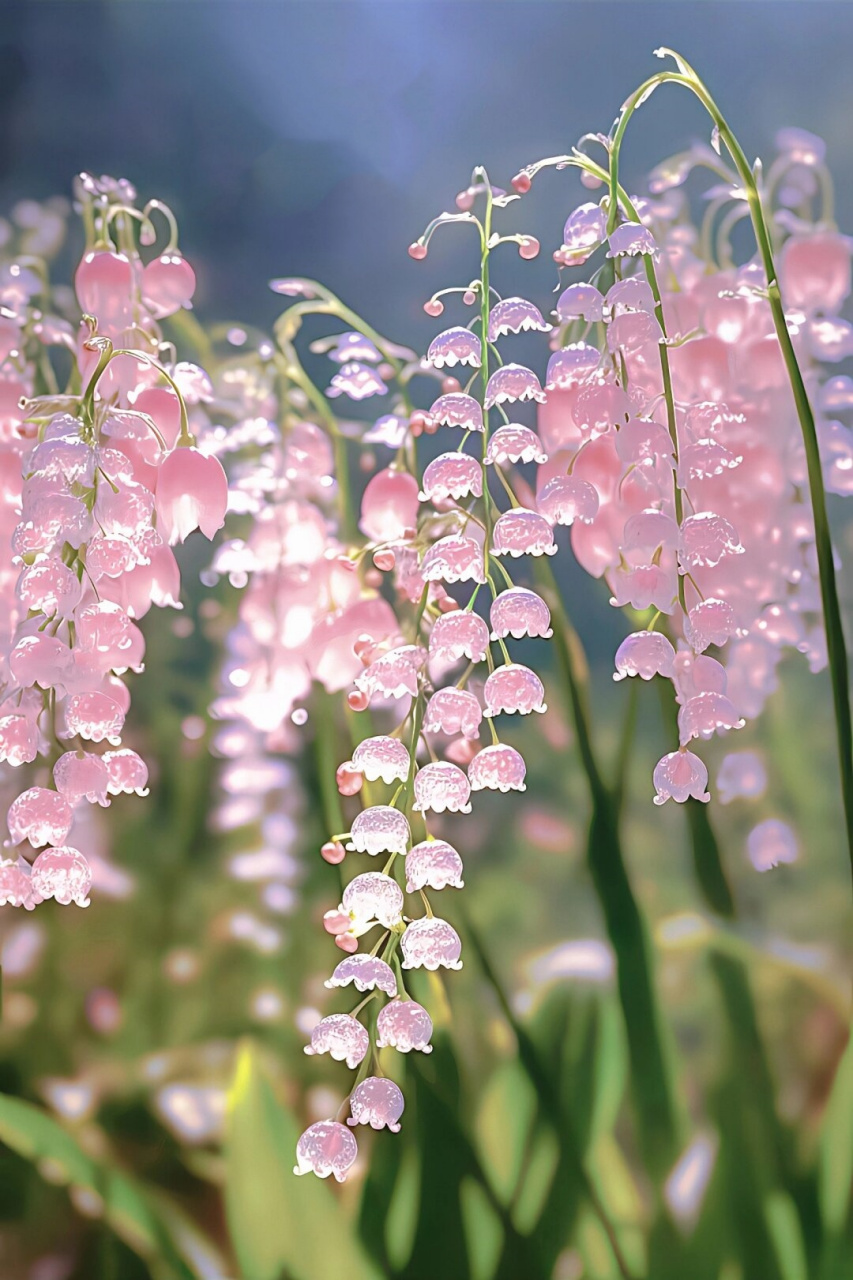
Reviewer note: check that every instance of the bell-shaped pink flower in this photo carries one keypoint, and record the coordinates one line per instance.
(128, 772)
(703, 460)
(630, 238)
(814, 272)
(650, 530)
(380, 829)
(433, 864)
(741, 774)
(455, 346)
(630, 294)
(342, 1037)
(454, 559)
(62, 874)
(357, 381)
(520, 612)
(585, 229)
(192, 493)
(497, 768)
(67, 458)
(105, 629)
(324, 1148)
(16, 887)
(40, 816)
(706, 714)
(705, 539)
(511, 689)
(382, 757)
(565, 499)
(519, 532)
(643, 443)
(373, 897)
(404, 1025)
(452, 475)
(695, 673)
(442, 788)
(571, 365)
(632, 331)
(18, 740)
(82, 776)
(457, 410)
(514, 443)
(680, 775)
(389, 505)
(41, 659)
(393, 674)
(771, 843)
(354, 346)
(451, 711)
(513, 383)
(515, 315)
(643, 586)
(645, 654)
(167, 284)
(599, 408)
(582, 301)
(94, 717)
(378, 1102)
(366, 973)
(431, 943)
(50, 586)
(460, 633)
(712, 621)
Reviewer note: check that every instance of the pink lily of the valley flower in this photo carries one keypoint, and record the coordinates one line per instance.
(192, 493)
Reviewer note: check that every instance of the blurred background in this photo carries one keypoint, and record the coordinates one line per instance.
(317, 139)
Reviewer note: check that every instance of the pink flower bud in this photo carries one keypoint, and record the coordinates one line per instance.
(349, 780)
(417, 251)
(336, 922)
(168, 283)
(333, 852)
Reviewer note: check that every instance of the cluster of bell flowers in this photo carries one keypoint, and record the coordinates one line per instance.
(99, 483)
(667, 442)
(686, 489)
(445, 544)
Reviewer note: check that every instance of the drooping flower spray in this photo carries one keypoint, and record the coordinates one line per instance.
(111, 480)
(714, 511)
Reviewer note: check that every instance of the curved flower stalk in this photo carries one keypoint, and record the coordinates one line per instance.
(450, 543)
(680, 417)
(110, 479)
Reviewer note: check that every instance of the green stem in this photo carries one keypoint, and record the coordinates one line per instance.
(651, 1079)
(548, 1096)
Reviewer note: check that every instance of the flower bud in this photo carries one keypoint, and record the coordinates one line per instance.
(348, 779)
(333, 852)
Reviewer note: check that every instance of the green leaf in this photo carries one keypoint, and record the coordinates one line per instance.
(280, 1225)
(836, 1148)
(784, 1226)
(158, 1233)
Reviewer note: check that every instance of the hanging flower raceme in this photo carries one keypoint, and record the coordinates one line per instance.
(424, 757)
(674, 449)
(109, 478)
